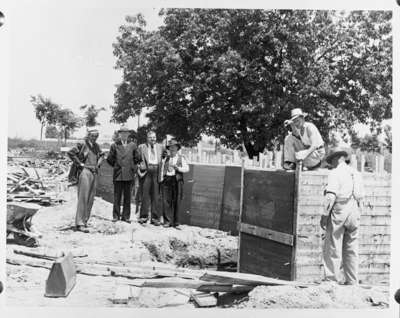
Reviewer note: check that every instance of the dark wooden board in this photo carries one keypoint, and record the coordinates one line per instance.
(231, 201)
(207, 194)
(269, 199)
(264, 257)
(105, 186)
(184, 209)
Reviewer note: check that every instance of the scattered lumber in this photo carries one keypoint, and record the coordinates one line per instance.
(204, 299)
(246, 279)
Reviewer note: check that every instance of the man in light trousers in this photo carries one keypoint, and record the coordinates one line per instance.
(341, 219)
(88, 157)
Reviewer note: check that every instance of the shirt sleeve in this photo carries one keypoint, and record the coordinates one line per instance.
(333, 183)
(185, 166)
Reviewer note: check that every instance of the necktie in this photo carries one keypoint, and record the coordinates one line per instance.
(153, 153)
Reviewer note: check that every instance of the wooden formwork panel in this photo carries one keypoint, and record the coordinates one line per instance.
(231, 200)
(265, 257)
(185, 206)
(105, 186)
(206, 205)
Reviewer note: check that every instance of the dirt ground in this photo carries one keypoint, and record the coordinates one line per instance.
(117, 243)
(125, 244)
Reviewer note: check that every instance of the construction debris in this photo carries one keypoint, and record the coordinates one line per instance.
(62, 277)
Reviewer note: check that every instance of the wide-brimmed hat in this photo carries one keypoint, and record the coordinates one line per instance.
(124, 128)
(91, 131)
(173, 142)
(338, 152)
(296, 112)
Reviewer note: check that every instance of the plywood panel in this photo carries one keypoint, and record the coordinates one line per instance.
(265, 257)
(185, 207)
(231, 200)
(269, 200)
(105, 186)
(207, 194)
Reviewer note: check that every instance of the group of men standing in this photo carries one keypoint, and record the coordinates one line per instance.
(160, 172)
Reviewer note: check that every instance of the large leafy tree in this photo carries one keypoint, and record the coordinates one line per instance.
(45, 111)
(90, 114)
(236, 74)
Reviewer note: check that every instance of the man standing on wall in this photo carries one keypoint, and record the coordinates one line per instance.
(123, 157)
(87, 157)
(304, 143)
(150, 159)
(171, 178)
(343, 195)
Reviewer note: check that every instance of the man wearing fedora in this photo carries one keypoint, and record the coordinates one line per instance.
(343, 199)
(87, 157)
(173, 167)
(151, 154)
(303, 144)
(123, 157)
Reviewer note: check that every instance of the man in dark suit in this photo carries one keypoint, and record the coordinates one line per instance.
(124, 157)
(151, 155)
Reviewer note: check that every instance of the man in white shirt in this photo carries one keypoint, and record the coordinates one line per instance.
(151, 154)
(343, 199)
(171, 177)
(304, 143)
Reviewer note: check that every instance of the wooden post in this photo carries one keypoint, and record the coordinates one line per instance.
(362, 163)
(278, 159)
(376, 164)
(240, 211)
(354, 161)
(297, 182)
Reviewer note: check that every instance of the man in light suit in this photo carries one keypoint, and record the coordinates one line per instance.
(151, 155)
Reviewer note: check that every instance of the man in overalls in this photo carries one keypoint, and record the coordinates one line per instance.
(173, 166)
(304, 143)
(88, 157)
(341, 218)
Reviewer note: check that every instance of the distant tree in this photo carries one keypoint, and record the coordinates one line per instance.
(91, 113)
(67, 122)
(368, 143)
(236, 74)
(52, 132)
(388, 137)
(45, 111)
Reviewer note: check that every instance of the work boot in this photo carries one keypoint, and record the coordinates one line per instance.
(80, 228)
(155, 222)
(142, 221)
(126, 221)
(166, 224)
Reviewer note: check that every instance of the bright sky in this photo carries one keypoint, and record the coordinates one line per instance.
(64, 53)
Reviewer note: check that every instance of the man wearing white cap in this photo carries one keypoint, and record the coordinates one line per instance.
(87, 157)
(305, 143)
(341, 218)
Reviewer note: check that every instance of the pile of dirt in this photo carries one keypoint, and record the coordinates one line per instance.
(325, 295)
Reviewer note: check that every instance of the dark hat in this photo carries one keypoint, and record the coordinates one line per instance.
(338, 152)
(173, 142)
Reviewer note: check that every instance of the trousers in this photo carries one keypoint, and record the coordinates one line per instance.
(122, 188)
(150, 194)
(171, 194)
(87, 184)
(293, 144)
(341, 243)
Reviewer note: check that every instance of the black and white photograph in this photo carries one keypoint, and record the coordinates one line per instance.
(163, 157)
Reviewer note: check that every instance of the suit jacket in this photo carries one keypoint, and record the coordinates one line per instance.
(124, 160)
(144, 157)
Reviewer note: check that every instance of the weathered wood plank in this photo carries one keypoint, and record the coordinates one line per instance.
(265, 233)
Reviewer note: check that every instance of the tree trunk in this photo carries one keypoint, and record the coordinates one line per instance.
(41, 131)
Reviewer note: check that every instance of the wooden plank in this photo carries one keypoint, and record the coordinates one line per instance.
(218, 288)
(204, 300)
(184, 212)
(246, 279)
(265, 233)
